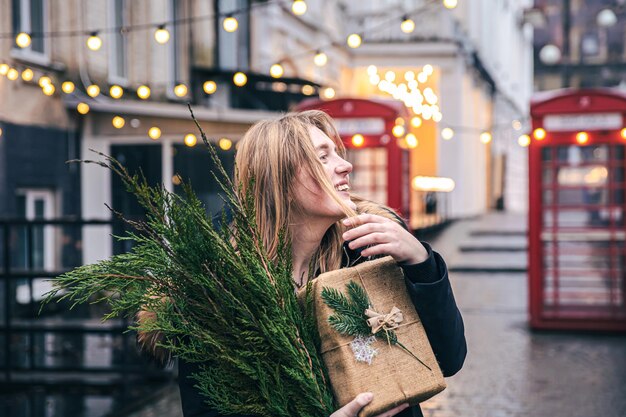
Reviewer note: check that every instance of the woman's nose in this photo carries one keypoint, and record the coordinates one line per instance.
(344, 167)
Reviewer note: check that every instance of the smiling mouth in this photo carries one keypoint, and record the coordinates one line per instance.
(344, 187)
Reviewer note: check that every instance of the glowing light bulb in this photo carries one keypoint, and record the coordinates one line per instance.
(582, 137)
(143, 92)
(450, 4)
(4, 68)
(240, 79)
(230, 24)
(398, 131)
(623, 133)
(354, 40)
(390, 76)
(48, 89)
(416, 121)
(407, 25)
(539, 133)
(27, 74)
(180, 90)
(190, 139)
(485, 137)
(67, 87)
(154, 133)
(320, 59)
(116, 91)
(411, 141)
(329, 93)
(43, 80)
(428, 69)
(94, 42)
(308, 90)
(516, 124)
(523, 141)
(23, 40)
(277, 71)
(118, 122)
(93, 90)
(209, 87)
(13, 74)
(299, 7)
(161, 35)
(225, 144)
(358, 140)
(372, 70)
(82, 108)
(447, 133)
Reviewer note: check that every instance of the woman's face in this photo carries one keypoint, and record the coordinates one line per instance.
(311, 198)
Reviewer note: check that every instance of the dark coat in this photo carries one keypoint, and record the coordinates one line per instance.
(431, 293)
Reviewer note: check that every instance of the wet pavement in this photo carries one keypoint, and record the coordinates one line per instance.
(510, 371)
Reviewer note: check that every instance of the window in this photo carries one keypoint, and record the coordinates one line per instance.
(118, 62)
(30, 16)
(234, 47)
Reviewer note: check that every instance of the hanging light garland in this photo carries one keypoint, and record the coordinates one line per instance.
(161, 35)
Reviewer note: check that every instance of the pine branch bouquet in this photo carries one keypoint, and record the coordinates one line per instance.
(216, 297)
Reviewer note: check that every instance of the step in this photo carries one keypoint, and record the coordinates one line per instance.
(490, 262)
(494, 244)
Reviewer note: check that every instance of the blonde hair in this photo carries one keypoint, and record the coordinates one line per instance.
(268, 159)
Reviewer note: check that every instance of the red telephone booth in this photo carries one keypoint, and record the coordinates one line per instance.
(381, 166)
(577, 205)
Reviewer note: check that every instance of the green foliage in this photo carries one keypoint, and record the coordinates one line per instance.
(217, 298)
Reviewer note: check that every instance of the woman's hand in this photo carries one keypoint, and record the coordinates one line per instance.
(383, 236)
(353, 407)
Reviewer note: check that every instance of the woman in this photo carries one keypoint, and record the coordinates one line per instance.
(301, 184)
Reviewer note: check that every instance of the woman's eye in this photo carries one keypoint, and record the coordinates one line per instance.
(323, 157)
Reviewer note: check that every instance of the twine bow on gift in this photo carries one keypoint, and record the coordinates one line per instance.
(386, 322)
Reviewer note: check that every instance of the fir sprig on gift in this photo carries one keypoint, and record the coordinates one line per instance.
(349, 315)
(216, 297)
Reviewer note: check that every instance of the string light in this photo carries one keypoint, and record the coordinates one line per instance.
(329, 93)
(209, 87)
(416, 121)
(180, 90)
(82, 108)
(308, 90)
(354, 40)
(582, 137)
(398, 131)
(116, 91)
(320, 59)
(277, 71)
(225, 144)
(154, 133)
(190, 139)
(407, 25)
(230, 24)
(447, 133)
(539, 133)
(118, 122)
(450, 4)
(143, 92)
(161, 35)
(67, 87)
(411, 141)
(516, 124)
(43, 80)
(428, 69)
(299, 7)
(358, 140)
(4, 68)
(48, 89)
(23, 40)
(240, 79)
(390, 76)
(94, 42)
(27, 74)
(12, 74)
(372, 70)
(523, 141)
(485, 137)
(623, 133)
(93, 91)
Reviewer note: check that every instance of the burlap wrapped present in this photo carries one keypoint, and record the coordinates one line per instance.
(394, 376)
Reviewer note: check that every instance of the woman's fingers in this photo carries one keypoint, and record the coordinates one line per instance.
(353, 407)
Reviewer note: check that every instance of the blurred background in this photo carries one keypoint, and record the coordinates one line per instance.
(495, 127)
